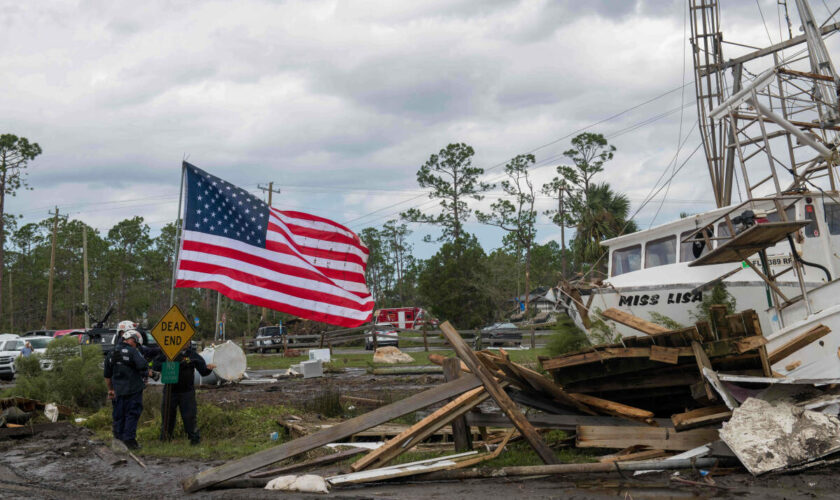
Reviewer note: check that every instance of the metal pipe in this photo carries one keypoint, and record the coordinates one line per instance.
(778, 120)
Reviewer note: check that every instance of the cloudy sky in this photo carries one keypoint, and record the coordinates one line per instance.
(339, 102)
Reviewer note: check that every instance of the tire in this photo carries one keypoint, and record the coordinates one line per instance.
(368, 346)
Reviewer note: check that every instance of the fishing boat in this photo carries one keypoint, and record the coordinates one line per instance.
(769, 121)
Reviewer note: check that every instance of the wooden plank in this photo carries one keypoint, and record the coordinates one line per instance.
(616, 409)
(345, 429)
(703, 362)
(704, 330)
(638, 455)
(421, 430)
(635, 382)
(668, 355)
(798, 343)
(460, 431)
(717, 314)
(749, 241)
(634, 322)
(749, 343)
(605, 354)
(544, 385)
(700, 417)
(592, 436)
(737, 324)
(751, 322)
(315, 462)
(793, 366)
(562, 422)
(502, 399)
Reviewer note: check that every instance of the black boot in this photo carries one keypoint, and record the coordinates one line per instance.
(132, 444)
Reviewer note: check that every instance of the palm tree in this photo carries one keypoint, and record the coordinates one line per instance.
(605, 216)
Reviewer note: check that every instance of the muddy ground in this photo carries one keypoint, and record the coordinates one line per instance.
(61, 463)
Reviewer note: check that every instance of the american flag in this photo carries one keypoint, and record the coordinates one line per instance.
(292, 262)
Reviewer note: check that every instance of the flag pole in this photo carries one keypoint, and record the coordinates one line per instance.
(178, 224)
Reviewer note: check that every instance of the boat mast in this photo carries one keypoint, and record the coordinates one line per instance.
(774, 115)
(706, 40)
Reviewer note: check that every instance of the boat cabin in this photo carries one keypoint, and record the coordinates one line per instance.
(664, 246)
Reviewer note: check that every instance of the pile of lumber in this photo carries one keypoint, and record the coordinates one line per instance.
(662, 371)
(644, 399)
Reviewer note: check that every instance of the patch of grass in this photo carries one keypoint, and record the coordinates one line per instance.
(278, 362)
(225, 433)
(521, 453)
(327, 403)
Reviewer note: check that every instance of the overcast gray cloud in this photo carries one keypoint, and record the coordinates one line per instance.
(339, 102)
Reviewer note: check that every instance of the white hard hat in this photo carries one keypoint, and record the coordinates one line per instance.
(126, 325)
(133, 334)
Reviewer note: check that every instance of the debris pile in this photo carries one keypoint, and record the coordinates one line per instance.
(657, 401)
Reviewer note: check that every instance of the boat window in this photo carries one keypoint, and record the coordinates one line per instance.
(811, 230)
(687, 249)
(832, 218)
(660, 252)
(626, 260)
(723, 232)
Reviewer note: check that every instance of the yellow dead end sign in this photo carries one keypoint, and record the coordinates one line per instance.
(173, 332)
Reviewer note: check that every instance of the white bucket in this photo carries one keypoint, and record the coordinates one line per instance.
(230, 364)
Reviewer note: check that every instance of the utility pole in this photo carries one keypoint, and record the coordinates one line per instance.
(86, 283)
(48, 321)
(218, 317)
(11, 304)
(270, 190)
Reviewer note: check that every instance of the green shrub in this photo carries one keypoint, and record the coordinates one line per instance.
(718, 296)
(567, 339)
(667, 322)
(75, 379)
(28, 366)
(561, 343)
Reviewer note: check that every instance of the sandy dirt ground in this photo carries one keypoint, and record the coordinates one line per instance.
(61, 464)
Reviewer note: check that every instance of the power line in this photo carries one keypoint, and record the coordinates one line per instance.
(648, 121)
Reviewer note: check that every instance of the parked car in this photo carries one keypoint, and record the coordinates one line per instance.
(78, 332)
(9, 351)
(39, 333)
(501, 334)
(385, 335)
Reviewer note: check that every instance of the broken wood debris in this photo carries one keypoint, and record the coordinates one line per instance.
(647, 396)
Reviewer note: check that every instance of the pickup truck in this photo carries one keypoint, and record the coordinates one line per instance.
(270, 338)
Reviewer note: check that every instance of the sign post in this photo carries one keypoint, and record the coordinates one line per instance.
(173, 332)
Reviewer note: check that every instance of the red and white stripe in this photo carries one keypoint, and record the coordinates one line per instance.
(310, 267)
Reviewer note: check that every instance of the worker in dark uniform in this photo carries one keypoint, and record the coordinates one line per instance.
(182, 394)
(125, 370)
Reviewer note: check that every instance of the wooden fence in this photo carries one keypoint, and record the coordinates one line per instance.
(365, 333)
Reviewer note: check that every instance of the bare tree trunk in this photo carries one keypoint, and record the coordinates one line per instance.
(562, 212)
